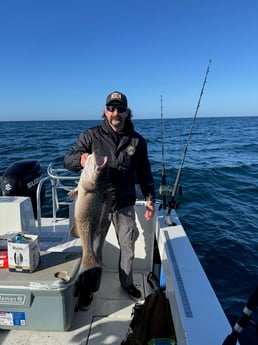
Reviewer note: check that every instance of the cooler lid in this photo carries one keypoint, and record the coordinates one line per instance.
(55, 271)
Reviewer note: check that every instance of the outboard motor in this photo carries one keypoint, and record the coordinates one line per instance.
(21, 179)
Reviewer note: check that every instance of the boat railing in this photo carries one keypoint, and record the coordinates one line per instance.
(57, 178)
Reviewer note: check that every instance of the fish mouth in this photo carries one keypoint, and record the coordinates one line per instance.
(101, 161)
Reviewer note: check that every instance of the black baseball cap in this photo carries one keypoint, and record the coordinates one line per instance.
(115, 97)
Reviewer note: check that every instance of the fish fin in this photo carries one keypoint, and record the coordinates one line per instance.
(74, 231)
(73, 194)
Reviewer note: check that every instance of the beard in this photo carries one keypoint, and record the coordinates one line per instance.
(117, 121)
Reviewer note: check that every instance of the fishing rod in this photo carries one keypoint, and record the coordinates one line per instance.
(163, 171)
(239, 326)
(173, 203)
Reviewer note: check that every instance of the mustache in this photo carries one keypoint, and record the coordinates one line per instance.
(116, 117)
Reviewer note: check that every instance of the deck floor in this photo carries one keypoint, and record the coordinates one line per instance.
(105, 322)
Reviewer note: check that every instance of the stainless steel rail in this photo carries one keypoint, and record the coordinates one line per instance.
(56, 176)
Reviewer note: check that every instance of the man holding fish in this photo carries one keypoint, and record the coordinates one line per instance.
(113, 157)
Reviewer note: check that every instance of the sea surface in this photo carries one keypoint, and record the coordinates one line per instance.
(219, 205)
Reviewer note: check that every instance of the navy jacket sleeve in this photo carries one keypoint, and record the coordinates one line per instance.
(73, 156)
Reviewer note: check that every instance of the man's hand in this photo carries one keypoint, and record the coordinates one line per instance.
(150, 210)
(84, 157)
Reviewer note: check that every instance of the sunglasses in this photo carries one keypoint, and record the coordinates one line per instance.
(120, 109)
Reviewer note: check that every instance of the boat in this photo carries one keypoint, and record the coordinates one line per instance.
(34, 311)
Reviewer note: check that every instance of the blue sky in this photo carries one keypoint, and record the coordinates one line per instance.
(60, 58)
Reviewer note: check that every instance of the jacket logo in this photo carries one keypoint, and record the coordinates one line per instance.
(130, 150)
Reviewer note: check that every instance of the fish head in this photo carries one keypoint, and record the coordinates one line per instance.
(94, 166)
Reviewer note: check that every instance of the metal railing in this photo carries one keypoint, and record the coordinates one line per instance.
(56, 176)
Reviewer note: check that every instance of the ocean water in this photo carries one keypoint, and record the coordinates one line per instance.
(219, 204)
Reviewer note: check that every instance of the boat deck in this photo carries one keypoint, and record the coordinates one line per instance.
(197, 314)
(105, 322)
(108, 317)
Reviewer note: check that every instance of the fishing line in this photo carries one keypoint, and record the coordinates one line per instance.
(163, 171)
(173, 203)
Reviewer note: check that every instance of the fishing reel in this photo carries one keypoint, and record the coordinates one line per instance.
(173, 204)
(166, 190)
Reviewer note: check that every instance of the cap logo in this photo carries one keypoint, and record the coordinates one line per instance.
(116, 95)
(130, 150)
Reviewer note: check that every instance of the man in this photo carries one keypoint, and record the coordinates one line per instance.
(128, 159)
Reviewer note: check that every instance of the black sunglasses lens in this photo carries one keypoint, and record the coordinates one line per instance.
(118, 108)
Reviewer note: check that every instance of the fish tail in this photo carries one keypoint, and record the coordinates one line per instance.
(90, 261)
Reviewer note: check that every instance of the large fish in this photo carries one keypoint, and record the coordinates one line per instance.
(89, 207)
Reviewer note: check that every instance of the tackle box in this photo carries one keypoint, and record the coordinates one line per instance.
(43, 300)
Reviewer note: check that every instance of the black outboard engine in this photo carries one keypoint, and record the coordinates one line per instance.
(21, 179)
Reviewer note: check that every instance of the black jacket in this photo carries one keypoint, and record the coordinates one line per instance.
(127, 160)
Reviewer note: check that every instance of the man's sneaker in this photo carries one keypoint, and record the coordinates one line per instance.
(85, 301)
(134, 293)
